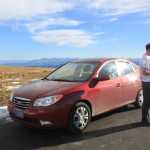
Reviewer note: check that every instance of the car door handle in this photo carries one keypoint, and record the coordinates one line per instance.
(118, 85)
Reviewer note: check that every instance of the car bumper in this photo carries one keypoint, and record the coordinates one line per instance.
(54, 116)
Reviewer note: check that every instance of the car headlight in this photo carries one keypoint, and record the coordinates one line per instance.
(11, 97)
(47, 101)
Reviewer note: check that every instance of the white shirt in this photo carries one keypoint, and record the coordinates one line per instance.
(146, 66)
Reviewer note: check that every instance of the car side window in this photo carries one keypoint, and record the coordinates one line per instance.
(124, 68)
(109, 71)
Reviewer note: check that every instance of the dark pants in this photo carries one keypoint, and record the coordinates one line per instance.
(146, 103)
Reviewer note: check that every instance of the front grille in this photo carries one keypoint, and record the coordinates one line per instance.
(22, 103)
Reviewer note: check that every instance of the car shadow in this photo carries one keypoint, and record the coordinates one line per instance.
(17, 137)
(30, 139)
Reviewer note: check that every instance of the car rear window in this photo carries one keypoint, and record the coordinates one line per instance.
(109, 70)
(124, 68)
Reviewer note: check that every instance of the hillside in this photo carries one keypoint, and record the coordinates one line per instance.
(13, 77)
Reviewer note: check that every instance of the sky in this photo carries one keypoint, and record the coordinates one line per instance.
(34, 29)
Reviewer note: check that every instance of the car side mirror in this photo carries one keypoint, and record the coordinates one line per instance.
(95, 80)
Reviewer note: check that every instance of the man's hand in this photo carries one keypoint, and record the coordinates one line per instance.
(144, 72)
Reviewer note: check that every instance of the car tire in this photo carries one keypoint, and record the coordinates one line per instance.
(79, 118)
(139, 99)
(148, 117)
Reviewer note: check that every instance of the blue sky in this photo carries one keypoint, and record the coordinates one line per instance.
(32, 29)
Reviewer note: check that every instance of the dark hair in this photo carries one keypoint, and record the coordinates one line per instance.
(148, 46)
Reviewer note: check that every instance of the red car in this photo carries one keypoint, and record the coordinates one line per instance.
(72, 94)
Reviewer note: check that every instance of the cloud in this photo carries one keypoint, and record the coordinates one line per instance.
(61, 37)
(114, 19)
(47, 21)
(42, 24)
(119, 7)
(146, 22)
(41, 17)
(27, 9)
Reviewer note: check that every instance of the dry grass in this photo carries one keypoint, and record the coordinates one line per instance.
(13, 77)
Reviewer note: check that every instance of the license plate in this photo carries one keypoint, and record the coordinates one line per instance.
(19, 113)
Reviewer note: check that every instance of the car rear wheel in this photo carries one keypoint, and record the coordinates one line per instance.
(140, 99)
(80, 118)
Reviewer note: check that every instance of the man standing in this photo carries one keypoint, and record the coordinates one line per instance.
(146, 85)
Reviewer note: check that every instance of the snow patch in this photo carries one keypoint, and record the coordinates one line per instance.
(3, 112)
(15, 82)
(34, 80)
(9, 88)
(11, 79)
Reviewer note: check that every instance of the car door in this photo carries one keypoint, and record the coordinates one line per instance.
(108, 89)
(129, 80)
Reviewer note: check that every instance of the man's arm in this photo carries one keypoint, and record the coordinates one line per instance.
(144, 70)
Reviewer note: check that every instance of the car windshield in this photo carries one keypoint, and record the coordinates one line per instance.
(73, 72)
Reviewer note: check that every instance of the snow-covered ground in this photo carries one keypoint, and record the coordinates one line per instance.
(10, 88)
(3, 113)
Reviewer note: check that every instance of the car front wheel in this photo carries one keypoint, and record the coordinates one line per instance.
(79, 118)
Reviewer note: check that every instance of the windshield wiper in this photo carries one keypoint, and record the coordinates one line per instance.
(45, 79)
(61, 80)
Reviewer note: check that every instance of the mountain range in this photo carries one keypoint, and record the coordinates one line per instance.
(45, 62)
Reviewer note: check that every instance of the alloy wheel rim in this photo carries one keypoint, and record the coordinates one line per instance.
(140, 98)
(81, 117)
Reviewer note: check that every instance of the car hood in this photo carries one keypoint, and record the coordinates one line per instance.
(43, 87)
